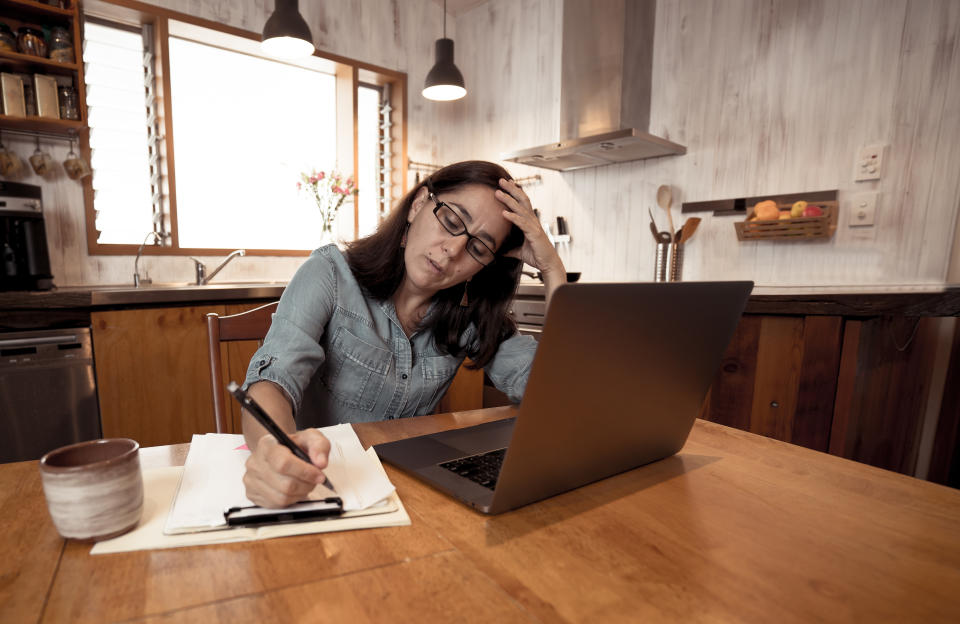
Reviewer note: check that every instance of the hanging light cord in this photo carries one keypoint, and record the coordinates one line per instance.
(444, 19)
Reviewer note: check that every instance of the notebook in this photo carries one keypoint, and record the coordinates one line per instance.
(618, 379)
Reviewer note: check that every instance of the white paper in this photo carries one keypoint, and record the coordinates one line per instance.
(212, 479)
(160, 487)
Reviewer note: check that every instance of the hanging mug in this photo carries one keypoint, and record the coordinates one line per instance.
(76, 166)
(41, 162)
(10, 164)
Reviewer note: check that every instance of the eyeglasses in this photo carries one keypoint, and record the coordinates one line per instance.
(453, 224)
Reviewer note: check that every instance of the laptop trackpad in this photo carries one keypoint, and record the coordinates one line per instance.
(432, 449)
(479, 438)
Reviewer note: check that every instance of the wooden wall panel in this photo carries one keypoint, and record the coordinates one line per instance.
(730, 399)
(779, 360)
(945, 459)
(152, 373)
(822, 344)
(882, 392)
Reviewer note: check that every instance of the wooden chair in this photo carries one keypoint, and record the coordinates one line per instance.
(250, 325)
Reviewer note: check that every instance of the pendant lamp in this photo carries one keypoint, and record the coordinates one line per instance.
(286, 34)
(444, 82)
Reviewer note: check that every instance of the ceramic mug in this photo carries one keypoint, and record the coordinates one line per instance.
(94, 489)
(41, 162)
(10, 163)
(76, 166)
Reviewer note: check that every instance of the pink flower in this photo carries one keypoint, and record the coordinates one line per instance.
(298, 186)
(321, 175)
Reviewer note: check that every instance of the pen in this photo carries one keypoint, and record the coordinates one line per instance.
(272, 428)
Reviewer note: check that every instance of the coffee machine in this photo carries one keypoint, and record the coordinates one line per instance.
(24, 257)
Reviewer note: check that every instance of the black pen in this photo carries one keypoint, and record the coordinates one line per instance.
(272, 428)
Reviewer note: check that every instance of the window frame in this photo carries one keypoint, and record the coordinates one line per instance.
(349, 75)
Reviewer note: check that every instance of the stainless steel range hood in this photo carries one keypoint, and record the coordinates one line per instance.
(605, 86)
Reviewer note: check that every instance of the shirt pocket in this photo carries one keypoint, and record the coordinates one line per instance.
(438, 372)
(356, 370)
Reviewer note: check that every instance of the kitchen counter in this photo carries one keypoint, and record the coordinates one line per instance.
(859, 301)
(152, 294)
(895, 300)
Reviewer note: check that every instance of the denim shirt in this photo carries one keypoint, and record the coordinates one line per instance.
(342, 356)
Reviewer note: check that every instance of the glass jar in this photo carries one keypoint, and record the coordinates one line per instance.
(8, 42)
(30, 41)
(61, 45)
(68, 103)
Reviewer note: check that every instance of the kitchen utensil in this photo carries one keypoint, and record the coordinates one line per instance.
(689, 227)
(664, 237)
(660, 266)
(653, 230)
(664, 200)
(674, 261)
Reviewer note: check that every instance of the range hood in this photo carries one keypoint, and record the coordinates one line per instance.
(605, 85)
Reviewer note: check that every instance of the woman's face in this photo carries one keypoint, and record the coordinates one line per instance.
(436, 259)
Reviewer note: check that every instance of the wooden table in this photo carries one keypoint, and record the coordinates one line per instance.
(736, 527)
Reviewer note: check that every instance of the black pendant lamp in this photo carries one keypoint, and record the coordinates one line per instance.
(286, 34)
(444, 82)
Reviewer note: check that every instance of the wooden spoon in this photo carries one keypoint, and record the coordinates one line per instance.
(664, 199)
(689, 227)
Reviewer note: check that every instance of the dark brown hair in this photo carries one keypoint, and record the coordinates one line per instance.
(377, 263)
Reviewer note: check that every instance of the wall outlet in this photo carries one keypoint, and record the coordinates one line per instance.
(869, 164)
(863, 209)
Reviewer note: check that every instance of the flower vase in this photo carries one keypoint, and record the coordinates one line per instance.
(327, 237)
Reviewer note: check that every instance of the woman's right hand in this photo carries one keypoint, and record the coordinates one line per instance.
(275, 477)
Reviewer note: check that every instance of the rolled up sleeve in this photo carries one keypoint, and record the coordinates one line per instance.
(291, 352)
(510, 367)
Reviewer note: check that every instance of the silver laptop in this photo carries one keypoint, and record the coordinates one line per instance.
(617, 381)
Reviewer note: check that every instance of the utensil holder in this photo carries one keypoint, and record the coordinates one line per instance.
(674, 262)
(660, 267)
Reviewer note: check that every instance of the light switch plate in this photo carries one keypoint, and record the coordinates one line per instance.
(869, 163)
(863, 209)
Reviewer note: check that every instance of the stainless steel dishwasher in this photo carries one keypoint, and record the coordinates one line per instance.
(48, 393)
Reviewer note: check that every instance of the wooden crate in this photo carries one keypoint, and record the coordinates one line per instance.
(796, 228)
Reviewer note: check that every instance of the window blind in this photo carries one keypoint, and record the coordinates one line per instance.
(119, 137)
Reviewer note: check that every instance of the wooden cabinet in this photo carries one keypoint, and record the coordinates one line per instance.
(153, 375)
(15, 13)
(853, 387)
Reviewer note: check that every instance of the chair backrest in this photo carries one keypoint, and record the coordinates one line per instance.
(250, 325)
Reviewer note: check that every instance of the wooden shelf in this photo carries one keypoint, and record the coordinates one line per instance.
(41, 124)
(33, 10)
(27, 63)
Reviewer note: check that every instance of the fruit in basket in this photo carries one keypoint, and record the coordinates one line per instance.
(767, 210)
(785, 214)
(813, 211)
(797, 209)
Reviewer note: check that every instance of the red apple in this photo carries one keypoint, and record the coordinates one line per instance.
(813, 211)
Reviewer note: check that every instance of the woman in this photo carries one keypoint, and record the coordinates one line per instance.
(379, 332)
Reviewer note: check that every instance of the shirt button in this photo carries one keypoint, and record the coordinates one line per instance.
(403, 376)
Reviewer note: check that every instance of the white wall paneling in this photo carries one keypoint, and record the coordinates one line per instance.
(769, 96)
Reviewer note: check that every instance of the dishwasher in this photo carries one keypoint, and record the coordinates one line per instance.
(48, 392)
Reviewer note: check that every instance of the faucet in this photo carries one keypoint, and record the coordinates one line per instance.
(136, 263)
(202, 277)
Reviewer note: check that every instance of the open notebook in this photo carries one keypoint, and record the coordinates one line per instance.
(185, 506)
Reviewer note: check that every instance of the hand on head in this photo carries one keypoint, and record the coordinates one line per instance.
(537, 250)
(276, 478)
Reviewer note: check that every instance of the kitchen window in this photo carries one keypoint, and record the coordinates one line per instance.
(197, 137)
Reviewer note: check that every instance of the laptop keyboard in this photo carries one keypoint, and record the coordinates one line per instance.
(482, 469)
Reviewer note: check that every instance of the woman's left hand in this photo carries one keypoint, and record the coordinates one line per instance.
(537, 250)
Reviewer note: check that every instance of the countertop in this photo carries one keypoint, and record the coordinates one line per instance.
(894, 300)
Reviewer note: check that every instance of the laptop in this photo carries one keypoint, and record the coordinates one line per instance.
(617, 381)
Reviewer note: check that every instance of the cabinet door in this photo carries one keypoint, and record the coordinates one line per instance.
(153, 377)
(778, 378)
